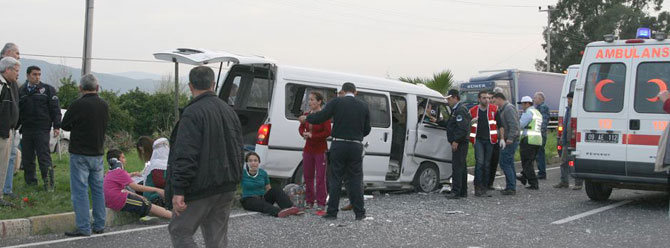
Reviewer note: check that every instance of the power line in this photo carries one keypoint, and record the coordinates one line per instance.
(493, 4)
(101, 59)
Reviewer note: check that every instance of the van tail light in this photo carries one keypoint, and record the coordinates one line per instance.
(634, 41)
(263, 134)
(573, 139)
(571, 163)
(559, 133)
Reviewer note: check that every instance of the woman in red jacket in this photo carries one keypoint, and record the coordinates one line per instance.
(314, 154)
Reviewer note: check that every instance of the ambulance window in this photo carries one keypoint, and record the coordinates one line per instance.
(651, 79)
(379, 109)
(572, 85)
(297, 99)
(605, 87)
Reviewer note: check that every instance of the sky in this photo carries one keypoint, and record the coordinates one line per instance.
(384, 38)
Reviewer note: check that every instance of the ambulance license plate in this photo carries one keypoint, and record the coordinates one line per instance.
(602, 137)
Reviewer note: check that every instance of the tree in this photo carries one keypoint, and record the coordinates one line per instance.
(440, 82)
(67, 92)
(119, 119)
(575, 23)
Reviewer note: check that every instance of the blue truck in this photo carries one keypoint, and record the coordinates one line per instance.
(516, 84)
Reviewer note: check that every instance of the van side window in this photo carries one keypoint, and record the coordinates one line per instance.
(379, 108)
(605, 87)
(297, 98)
(652, 77)
(572, 85)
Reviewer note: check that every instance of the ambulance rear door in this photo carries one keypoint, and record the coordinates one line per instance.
(650, 75)
(603, 117)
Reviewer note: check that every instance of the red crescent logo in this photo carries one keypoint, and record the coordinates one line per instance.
(661, 87)
(599, 90)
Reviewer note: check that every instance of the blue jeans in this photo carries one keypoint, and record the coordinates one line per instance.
(85, 172)
(483, 153)
(507, 164)
(7, 189)
(541, 158)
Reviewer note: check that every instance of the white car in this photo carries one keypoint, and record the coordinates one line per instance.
(62, 141)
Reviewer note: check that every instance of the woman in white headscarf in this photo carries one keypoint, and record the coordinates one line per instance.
(154, 173)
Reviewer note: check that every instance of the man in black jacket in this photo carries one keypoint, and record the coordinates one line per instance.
(458, 130)
(39, 111)
(351, 123)
(9, 113)
(205, 165)
(87, 119)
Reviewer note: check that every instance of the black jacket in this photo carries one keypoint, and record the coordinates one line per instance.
(206, 153)
(351, 118)
(9, 107)
(458, 124)
(39, 109)
(87, 119)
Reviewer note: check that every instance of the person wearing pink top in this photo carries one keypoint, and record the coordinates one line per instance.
(118, 198)
(314, 154)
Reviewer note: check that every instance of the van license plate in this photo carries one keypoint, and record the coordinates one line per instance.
(602, 137)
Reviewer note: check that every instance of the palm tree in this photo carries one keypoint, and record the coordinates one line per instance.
(440, 82)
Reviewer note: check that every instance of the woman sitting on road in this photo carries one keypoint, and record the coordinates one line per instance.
(257, 193)
(154, 172)
(314, 155)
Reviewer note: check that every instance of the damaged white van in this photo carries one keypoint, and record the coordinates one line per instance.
(403, 152)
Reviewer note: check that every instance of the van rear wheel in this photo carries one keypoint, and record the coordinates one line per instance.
(597, 191)
(427, 178)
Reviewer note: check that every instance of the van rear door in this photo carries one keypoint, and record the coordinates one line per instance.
(378, 151)
(647, 118)
(603, 119)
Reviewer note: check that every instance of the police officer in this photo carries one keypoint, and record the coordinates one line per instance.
(458, 130)
(351, 123)
(39, 111)
(531, 141)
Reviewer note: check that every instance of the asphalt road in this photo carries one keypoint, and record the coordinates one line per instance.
(629, 219)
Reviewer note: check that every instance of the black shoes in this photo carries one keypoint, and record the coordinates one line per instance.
(542, 177)
(453, 196)
(508, 192)
(76, 233)
(329, 217)
(101, 231)
(522, 179)
(360, 217)
(533, 187)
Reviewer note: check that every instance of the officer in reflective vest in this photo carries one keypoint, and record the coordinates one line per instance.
(531, 141)
(483, 136)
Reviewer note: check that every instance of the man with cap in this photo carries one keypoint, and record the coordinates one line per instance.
(538, 99)
(458, 130)
(531, 141)
(351, 123)
(565, 139)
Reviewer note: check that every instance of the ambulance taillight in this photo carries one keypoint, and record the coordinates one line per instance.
(573, 135)
(560, 133)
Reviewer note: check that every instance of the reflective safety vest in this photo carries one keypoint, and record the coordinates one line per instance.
(491, 117)
(534, 128)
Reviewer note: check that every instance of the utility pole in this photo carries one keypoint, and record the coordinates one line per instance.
(548, 10)
(88, 35)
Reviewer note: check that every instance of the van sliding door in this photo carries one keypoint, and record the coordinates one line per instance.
(378, 151)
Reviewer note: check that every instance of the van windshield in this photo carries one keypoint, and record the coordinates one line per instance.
(605, 87)
(470, 97)
(650, 80)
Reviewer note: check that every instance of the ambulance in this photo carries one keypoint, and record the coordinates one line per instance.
(403, 150)
(617, 117)
(568, 86)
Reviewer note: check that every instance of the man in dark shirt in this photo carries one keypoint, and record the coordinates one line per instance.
(483, 136)
(538, 100)
(495, 155)
(458, 130)
(351, 123)
(87, 119)
(39, 111)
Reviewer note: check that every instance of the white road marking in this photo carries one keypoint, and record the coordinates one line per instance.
(592, 212)
(109, 233)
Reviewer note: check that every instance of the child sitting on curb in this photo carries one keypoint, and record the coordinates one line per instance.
(118, 198)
